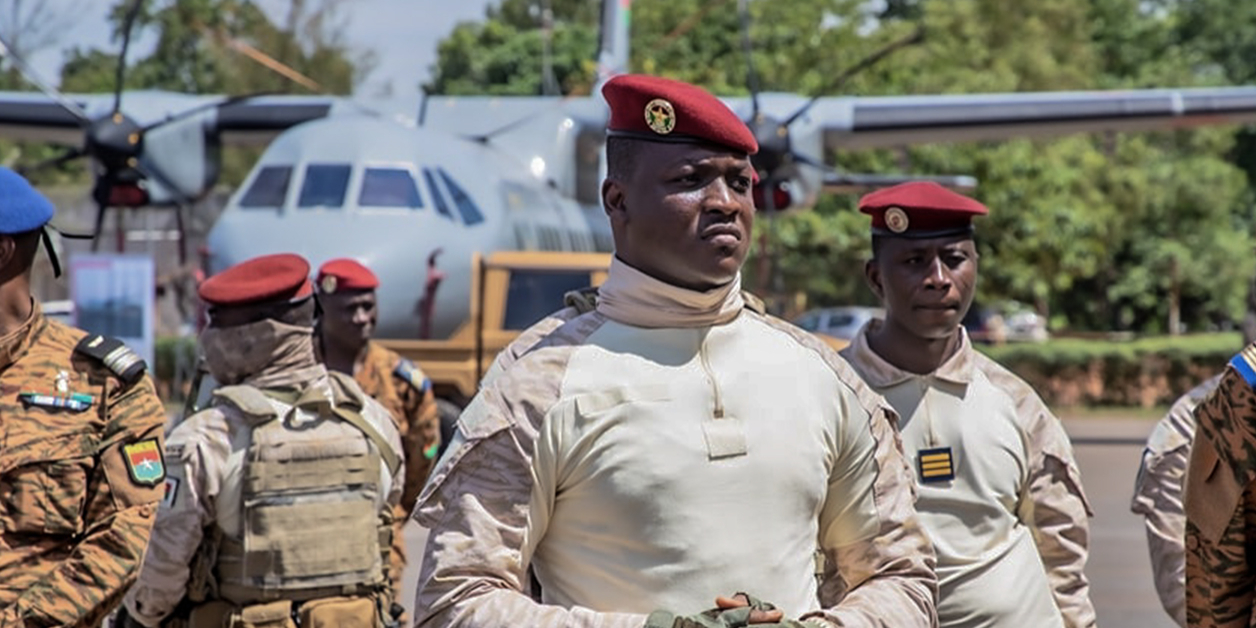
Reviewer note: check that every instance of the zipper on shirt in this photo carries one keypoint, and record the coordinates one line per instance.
(725, 435)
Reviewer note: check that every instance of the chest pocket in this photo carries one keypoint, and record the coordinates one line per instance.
(46, 492)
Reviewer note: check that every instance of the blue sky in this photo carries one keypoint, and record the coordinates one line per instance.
(402, 33)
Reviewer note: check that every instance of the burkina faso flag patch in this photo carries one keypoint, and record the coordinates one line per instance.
(144, 463)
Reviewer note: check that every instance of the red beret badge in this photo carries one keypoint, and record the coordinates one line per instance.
(896, 220)
(660, 116)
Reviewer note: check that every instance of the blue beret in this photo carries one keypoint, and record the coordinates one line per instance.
(22, 207)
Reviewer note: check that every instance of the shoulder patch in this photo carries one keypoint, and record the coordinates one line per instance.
(409, 373)
(144, 463)
(1245, 364)
(116, 356)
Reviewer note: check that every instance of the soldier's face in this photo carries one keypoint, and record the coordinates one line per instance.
(349, 317)
(926, 285)
(685, 214)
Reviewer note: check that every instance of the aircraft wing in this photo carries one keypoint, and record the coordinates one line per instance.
(874, 122)
(35, 116)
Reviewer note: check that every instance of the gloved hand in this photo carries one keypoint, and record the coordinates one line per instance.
(754, 612)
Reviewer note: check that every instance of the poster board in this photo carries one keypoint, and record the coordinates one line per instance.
(114, 295)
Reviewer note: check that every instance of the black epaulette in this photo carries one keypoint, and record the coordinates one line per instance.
(584, 299)
(115, 355)
(753, 303)
(409, 373)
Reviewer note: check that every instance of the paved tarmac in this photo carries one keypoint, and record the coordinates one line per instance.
(1107, 450)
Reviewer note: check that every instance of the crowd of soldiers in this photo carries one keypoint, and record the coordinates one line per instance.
(661, 453)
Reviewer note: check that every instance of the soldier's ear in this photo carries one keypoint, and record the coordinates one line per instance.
(872, 274)
(613, 201)
(8, 254)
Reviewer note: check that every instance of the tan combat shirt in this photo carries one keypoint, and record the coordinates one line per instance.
(206, 458)
(1221, 503)
(1158, 497)
(1015, 503)
(635, 469)
(75, 508)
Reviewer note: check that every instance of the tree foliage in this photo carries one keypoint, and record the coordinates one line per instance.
(1101, 231)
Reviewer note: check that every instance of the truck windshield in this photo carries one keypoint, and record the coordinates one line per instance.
(534, 294)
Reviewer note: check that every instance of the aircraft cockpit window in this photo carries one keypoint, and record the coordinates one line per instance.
(269, 188)
(324, 186)
(438, 199)
(471, 214)
(389, 187)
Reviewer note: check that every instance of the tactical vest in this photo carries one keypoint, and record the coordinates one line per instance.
(311, 519)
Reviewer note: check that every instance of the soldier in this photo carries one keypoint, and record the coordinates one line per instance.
(1158, 497)
(346, 294)
(281, 495)
(999, 491)
(637, 460)
(82, 465)
(1221, 503)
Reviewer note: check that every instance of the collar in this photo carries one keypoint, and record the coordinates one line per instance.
(19, 341)
(632, 297)
(957, 369)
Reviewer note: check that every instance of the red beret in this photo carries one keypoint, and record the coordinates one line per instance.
(264, 279)
(663, 110)
(920, 209)
(343, 274)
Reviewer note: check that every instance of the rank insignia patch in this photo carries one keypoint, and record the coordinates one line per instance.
(172, 492)
(144, 463)
(936, 465)
(76, 402)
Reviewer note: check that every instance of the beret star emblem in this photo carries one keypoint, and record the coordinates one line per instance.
(896, 219)
(660, 116)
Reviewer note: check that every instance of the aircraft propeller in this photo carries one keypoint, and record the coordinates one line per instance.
(116, 142)
(777, 156)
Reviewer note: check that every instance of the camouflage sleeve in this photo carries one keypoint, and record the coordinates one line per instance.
(1158, 499)
(197, 453)
(477, 507)
(1055, 509)
(420, 440)
(1221, 508)
(886, 579)
(119, 509)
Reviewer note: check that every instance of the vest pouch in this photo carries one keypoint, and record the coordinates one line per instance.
(216, 614)
(339, 612)
(277, 614)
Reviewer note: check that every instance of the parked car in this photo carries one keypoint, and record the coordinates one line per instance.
(839, 322)
(1005, 322)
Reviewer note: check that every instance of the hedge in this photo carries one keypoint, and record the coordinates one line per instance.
(1146, 372)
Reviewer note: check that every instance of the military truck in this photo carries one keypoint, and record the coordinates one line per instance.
(510, 291)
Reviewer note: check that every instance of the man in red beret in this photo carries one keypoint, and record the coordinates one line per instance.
(346, 294)
(281, 495)
(639, 460)
(999, 490)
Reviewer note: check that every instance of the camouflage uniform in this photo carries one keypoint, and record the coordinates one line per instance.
(77, 499)
(203, 503)
(406, 393)
(619, 462)
(999, 490)
(1221, 503)
(1158, 497)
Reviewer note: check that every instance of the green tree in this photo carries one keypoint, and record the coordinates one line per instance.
(1129, 231)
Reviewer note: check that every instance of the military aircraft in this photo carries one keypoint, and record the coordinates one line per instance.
(414, 201)
(149, 148)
